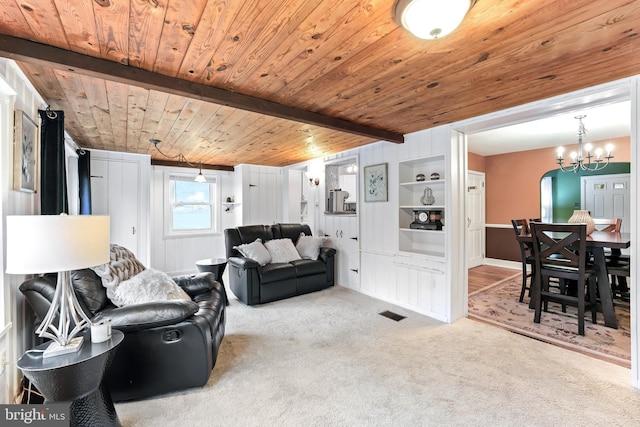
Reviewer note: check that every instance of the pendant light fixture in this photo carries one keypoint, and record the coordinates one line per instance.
(431, 19)
(200, 177)
(182, 159)
(585, 158)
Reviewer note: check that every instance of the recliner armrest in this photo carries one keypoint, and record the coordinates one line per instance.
(196, 284)
(148, 315)
(326, 253)
(244, 263)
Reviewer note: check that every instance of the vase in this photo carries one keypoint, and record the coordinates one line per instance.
(583, 217)
(427, 198)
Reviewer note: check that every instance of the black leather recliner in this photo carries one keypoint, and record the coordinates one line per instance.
(167, 346)
(255, 284)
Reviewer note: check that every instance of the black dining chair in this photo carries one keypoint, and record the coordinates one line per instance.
(560, 252)
(618, 264)
(520, 228)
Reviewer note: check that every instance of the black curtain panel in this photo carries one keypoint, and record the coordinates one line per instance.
(53, 176)
(84, 181)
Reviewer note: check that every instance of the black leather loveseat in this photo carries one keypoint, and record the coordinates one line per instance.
(253, 283)
(168, 345)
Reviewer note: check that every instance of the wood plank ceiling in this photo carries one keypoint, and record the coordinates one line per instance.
(344, 60)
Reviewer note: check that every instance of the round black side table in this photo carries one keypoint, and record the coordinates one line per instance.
(215, 266)
(76, 378)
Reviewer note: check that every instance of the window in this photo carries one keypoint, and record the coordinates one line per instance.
(192, 205)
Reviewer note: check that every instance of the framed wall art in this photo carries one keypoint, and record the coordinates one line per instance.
(376, 183)
(25, 153)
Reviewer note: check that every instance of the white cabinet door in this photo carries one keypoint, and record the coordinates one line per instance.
(115, 192)
(123, 189)
(99, 187)
(350, 236)
(262, 198)
(342, 232)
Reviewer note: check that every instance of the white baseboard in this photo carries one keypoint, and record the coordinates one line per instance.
(503, 263)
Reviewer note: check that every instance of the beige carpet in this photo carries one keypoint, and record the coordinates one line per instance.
(498, 304)
(329, 359)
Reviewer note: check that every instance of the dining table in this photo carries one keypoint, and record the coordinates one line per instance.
(597, 241)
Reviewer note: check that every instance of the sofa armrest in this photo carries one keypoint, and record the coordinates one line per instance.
(148, 315)
(196, 284)
(326, 253)
(243, 263)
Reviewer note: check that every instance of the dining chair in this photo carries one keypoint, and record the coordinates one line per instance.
(618, 265)
(608, 224)
(560, 252)
(521, 227)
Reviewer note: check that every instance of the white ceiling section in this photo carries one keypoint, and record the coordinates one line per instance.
(601, 122)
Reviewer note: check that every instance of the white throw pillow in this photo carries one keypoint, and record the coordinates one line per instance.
(309, 246)
(147, 286)
(256, 251)
(282, 250)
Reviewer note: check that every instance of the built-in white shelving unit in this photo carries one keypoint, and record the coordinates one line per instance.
(412, 202)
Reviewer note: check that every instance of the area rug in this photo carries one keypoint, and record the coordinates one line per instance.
(498, 304)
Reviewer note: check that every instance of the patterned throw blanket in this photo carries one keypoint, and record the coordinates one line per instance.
(123, 266)
(128, 282)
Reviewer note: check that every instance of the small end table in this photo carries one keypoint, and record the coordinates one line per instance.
(76, 378)
(215, 266)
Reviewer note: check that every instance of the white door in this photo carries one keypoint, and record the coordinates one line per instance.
(475, 218)
(607, 196)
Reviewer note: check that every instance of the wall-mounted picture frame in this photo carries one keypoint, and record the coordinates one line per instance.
(25, 153)
(376, 183)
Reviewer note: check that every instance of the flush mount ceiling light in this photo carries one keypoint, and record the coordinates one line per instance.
(431, 19)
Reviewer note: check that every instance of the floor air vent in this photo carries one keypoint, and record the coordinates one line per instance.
(393, 316)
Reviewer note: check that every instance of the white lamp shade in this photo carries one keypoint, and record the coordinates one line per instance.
(52, 243)
(429, 19)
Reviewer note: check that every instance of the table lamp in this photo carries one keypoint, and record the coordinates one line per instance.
(39, 244)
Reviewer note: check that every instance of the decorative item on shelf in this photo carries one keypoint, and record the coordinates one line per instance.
(580, 161)
(427, 198)
(426, 220)
(435, 176)
(420, 177)
(38, 244)
(583, 217)
(229, 199)
(420, 220)
(428, 19)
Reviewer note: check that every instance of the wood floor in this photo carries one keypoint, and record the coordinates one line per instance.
(485, 275)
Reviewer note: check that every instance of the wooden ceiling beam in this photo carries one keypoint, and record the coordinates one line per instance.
(159, 162)
(48, 56)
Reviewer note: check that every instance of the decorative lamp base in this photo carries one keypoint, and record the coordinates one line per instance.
(56, 349)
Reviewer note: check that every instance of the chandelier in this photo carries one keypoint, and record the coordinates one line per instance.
(592, 161)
